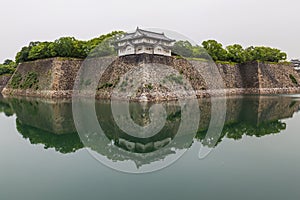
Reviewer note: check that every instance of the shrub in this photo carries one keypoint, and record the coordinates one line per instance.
(16, 81)
(176, 79)
(105, 85)
(293, 79)
(8, 67)
(30, 81)
(149, 86)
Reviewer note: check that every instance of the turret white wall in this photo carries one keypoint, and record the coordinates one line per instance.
(161, 51)
(139, 49)
(127, 51)
(158, 50)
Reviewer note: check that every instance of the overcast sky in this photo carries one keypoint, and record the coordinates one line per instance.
(248, 22)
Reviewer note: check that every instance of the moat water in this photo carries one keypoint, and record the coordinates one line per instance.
(255, 156)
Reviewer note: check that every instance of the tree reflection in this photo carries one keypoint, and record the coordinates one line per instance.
(50, 123)
(66, 143)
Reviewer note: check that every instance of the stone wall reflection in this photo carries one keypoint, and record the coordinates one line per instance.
(252, 116)
(50, 123)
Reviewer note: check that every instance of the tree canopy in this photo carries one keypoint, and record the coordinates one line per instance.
(215, 50)
(104, 46)
(68, 47)
(232, 53)
(8, 67)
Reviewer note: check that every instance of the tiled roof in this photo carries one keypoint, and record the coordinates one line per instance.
(144, 33)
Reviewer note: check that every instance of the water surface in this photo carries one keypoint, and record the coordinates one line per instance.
(256, 156)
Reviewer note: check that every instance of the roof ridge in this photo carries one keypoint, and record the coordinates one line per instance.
(150, 31)
(146, 33)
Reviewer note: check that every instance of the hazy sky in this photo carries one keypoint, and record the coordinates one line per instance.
(248, 22)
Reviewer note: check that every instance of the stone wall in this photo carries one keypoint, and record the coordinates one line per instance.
(277, 76)
(3, 81)
(56, 76)
(249, 78)
(259, 75)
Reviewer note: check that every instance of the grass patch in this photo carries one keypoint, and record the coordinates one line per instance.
(198, 59)
(105, 85)
(176, 79)
(31, 81)
(293, 79)
(226, 63)
(178, 57)
(66, 58)
(149, 86)
(16, 81)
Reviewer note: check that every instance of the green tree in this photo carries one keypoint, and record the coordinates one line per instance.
(236, 53)
(105, 48)
(40, 51)
(200, 52)
(8, 67)
(64, 47)
(264, 54)
(22, 56)
(183, 48)
(215, 50)
(8, 62)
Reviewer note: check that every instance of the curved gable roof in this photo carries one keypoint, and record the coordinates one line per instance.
(139, 33)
